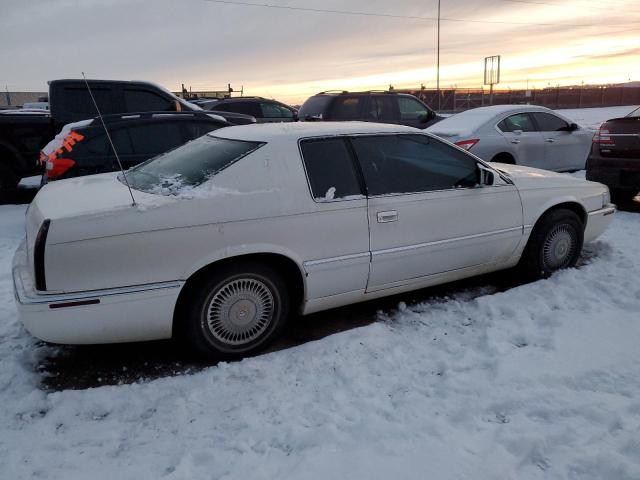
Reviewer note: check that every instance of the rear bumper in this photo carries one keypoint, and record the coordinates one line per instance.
(598, 221)
(139, 313)
(621, 175)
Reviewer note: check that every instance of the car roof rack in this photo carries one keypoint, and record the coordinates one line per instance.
(361, 92)
(116, 117)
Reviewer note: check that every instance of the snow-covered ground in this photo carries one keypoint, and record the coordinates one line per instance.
(593, 117)
(540, 381)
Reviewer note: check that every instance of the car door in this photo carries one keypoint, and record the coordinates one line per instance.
(565, 148)
(337, 229)
(523, 140)
(153, 138)
(412, 112)
(427, 214)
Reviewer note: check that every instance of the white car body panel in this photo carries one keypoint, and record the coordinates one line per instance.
(117, 269)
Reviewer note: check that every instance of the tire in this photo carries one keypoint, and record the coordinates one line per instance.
(236, 312)
(8, 180)
(555, 244)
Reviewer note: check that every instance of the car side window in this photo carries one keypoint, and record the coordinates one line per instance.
(550, 123)
(330, 169)
(394, 164)
(347, 108)
(246, 108)
(156, 137)
(519, 121)
(382, 108)
(144, 101)
(411, 109)
(273, 110)
(99, 144)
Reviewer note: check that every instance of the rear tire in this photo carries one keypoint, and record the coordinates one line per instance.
(236, 312)
(8, 181)
(555, 244)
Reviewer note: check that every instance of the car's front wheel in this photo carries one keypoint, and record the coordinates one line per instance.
(237, 311)
(555, 243)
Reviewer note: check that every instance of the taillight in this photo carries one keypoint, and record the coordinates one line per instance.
(467, 144)
(38, 255)
(58, 166)
(602, 137)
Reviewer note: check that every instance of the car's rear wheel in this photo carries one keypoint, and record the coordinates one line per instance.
(8, 180)
(555, 243)
(237, 311)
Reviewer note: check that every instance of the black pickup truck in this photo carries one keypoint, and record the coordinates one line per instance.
(24, 133)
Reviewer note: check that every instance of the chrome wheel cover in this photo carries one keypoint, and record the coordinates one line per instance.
(240, 311)
(559, 247)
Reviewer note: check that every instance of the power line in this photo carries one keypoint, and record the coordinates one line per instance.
(405, 17)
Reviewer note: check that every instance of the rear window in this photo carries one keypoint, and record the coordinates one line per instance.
(189, 165)
(314, 107)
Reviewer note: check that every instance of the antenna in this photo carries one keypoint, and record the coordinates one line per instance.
(124, 175)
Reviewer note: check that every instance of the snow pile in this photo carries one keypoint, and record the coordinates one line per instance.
(540, 381)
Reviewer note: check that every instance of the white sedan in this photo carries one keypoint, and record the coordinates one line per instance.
(232, 232)
(520, 135)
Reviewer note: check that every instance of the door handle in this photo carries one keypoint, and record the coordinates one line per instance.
(515, 141)
(388, 216)
(550, 140)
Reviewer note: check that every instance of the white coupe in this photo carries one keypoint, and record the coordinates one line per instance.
(232, 232)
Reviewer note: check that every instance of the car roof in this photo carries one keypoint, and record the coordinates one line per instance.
(464, 123)
(294, 131)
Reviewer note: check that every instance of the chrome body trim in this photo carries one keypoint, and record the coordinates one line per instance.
(341, 258)
(440, 242)
(609, 209)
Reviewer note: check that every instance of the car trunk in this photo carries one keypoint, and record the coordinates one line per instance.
(620, 138)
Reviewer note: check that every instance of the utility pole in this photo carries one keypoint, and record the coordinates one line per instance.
(438, 60)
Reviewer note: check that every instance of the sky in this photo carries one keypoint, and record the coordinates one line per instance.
(291, 54)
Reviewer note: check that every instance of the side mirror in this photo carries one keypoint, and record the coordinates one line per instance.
(573, 127)
(486, 176)
(518, 132)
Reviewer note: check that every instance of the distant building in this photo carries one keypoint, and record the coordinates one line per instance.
(16, 99)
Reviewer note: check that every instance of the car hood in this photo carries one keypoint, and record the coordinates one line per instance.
(527, 177)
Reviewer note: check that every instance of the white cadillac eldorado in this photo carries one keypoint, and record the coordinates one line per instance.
(232, 232)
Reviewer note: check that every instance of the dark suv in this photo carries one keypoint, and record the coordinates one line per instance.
(82, 148)
(382, 107)
(615, 156)
(264, 110)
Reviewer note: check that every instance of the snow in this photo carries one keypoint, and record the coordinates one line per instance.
(539, 381)
(591, 118)
(31, 182)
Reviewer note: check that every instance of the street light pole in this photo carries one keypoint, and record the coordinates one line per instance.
(438, 61)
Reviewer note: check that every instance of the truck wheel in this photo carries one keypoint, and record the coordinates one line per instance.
(237, 311)
(8, 180)
(555, 243)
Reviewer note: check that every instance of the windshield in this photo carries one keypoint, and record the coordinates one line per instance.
(188, 166)
(635, 113)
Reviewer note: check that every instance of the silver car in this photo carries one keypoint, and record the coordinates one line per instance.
(520, 135)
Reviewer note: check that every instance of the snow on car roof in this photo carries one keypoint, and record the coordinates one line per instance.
(464, 123)
(297, 130)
